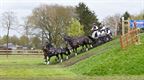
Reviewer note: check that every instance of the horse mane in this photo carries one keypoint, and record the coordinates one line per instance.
(91, 38)
(68, 39)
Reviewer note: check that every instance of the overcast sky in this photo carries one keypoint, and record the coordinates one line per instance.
(102, 8)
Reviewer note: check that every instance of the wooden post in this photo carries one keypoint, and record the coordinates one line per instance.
(127, 43)
(139, 42)
(121, 42)
(130, 37)
(137, 36)
(123, 26)
(133, 36)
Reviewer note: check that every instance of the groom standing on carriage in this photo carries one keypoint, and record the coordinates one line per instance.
(94, 30)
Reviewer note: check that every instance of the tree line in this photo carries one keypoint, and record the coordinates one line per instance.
(33, 42)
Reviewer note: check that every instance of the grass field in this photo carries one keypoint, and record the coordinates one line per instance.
(115, 61)
(107, 63)
(26, 67)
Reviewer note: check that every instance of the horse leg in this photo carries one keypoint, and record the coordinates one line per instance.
(75, 51)
(82, 48)
(45, 58)
(67, 57)
(67, 53)
(71, 51)
(48, 62)
(86, 47)
(57, 57)
(61, 54)
(91, 45)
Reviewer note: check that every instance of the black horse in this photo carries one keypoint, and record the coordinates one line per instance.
(85, 42)
(73, 43)
(50, 51)
(63, 51)
(77, 42)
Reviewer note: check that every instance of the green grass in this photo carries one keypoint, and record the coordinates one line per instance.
(107, 63)
(29, 66)
(115, 61)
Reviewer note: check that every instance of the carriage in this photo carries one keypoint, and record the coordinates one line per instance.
(101, 35)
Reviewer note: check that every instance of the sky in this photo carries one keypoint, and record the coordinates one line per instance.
(102, 8)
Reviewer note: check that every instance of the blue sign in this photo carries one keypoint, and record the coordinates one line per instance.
(137, 23)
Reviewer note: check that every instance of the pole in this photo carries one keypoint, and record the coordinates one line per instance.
(116, 25)
(128, 24)
(121, 42)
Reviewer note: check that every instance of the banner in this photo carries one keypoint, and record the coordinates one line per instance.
(137, 23)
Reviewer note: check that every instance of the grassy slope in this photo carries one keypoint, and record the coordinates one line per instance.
(114, 62)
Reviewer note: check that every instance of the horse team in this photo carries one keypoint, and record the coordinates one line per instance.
(98, 37)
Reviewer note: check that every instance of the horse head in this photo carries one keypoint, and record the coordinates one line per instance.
(44, 49)
(68, 39)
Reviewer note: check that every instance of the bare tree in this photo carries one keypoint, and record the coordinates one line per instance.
(27, 30)
(113, 22)
(53, 20)
(8, 21)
